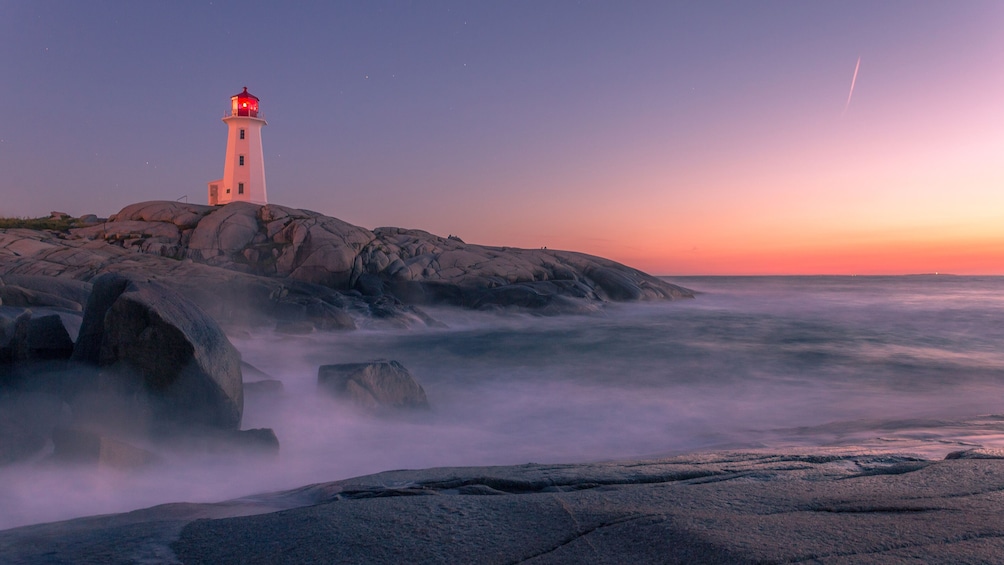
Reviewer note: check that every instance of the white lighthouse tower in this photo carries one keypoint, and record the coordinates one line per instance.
(244, 168)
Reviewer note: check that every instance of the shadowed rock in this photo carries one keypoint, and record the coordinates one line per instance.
(268, 387)
(251, 372)
(9, 328)
(214, 441)
(33, 349)
(256, 440)
(106, 289)
(41, 338)
(164, 346)
(378, 384)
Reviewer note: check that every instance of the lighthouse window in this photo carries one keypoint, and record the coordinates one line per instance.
(242, 134)
(240, 187)
(242, 160)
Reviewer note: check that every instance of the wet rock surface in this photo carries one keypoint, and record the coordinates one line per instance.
(823, 506)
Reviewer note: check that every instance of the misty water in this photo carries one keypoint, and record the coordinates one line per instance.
(906, 364)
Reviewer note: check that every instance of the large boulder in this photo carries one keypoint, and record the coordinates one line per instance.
(323, 250)
(165, 347)
(224, 232)
(373, 385)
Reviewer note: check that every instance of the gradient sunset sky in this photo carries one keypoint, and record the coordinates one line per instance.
(677, 137)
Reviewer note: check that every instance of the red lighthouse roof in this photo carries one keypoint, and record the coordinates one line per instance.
(245, 94)
(244, 104)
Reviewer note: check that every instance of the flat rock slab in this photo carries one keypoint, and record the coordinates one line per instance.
(822, 507)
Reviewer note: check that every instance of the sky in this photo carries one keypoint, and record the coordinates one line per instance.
(681, 138)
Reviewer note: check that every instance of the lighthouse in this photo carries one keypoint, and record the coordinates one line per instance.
(244, 168)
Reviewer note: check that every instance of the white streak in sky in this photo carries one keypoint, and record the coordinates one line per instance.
(851, 93)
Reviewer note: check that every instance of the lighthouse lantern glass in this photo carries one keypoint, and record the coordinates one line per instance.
(244, 105)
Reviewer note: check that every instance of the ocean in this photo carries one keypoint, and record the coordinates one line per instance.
(910, 364)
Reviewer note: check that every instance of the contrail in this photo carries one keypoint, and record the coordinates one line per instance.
(851, 93)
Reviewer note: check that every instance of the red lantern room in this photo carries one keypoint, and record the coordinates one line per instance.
(245, 104)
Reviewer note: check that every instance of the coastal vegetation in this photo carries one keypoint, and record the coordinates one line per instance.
(58, 223)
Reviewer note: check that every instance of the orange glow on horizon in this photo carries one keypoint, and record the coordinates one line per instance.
(960, 257)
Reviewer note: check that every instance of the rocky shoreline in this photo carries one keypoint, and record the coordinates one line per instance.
(820, 506)
(114, 348)
(302, 271)
(112, 330)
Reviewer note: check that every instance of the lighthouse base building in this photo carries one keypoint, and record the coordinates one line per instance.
(244, 168)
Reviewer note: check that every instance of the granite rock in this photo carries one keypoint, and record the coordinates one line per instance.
(233, 296)
(407, 265)
(166, 347)
(373, 385)
(820, 506)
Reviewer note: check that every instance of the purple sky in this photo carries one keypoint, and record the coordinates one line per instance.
(664, 134)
